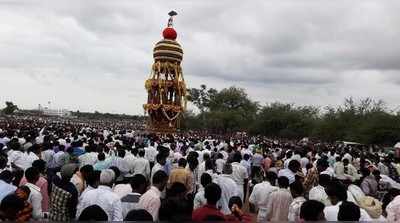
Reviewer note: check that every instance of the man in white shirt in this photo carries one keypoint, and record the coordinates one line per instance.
(151, 153)
(337, 193)
(104, 197)
(259, 196)
(239, 175)
(293, 167)
(6, 187)
(159, 165)
(150, 201)
(229, 188)
(35, 197)
(141, 165)
(318, 192)
(131, 200)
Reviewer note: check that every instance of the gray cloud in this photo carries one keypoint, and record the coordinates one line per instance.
(95, 55)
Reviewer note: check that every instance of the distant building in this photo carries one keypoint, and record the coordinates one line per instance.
(55, 112)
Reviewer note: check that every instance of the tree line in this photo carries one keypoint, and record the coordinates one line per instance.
(231, 110)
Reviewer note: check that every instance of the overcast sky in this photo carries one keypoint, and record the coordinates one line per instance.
(96, 55)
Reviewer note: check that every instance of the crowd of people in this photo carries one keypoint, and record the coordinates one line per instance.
(63, 171)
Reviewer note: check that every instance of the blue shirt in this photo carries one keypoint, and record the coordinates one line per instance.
(6, 189)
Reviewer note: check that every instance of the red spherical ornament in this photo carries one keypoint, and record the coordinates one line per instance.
(169, 33)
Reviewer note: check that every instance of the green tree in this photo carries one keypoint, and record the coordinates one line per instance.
(10, 108)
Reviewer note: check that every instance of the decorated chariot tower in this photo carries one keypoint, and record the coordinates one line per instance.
(166, 87)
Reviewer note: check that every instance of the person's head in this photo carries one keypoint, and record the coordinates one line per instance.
(161, 159)
(296, 189)
(10, 206)
(312, 210)
(377, 175)
(23, 192)
(336, 192)
(32, 175)
(206, 156)
(205, 179)
(101, 156)
(6, 176)
(271, 177)
(93, 178)
(283, 182)
(294, 166)
(160, 179)
(365, 172)
(212, 193)
(93, 213)
(86, 170)
(324, 180)
(246, 157)
(220, 156)
(182, 162)
(68, 170)
(348, 211)
(139, 215)
(227, 169)
(141, 153)
(209, 165)
(121, 153)
(107, 177)
(138, 183)
(235, 200)
(116, 170)
(322, 165)
(177, 190)
(345, 162)
(40, 165)
(237, 157)
(3, 161)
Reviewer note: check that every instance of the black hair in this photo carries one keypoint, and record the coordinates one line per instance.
(348, 211)
(93, 177)
(176, 188)
(101, 156)
(283, 182)
(235, 200)
(3, 162)
(159, 177)
(294, 165)
(86, 169)
(32, 175)
(246, 156)
(12, 202)
(310, 210)
(121, 153)
(6, 176)
(205, 179)
(141, 153)
(139, 215)
(297, 188)
(212, 193)
(116, 171)
(237, 157)
(40, 165)
(182, 162)
(93, 213)
(271, 177)
(137, 180)
(336, 189)
(324, 180)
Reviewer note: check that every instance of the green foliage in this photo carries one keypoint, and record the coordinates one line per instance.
(10, 108)
(229, 110)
